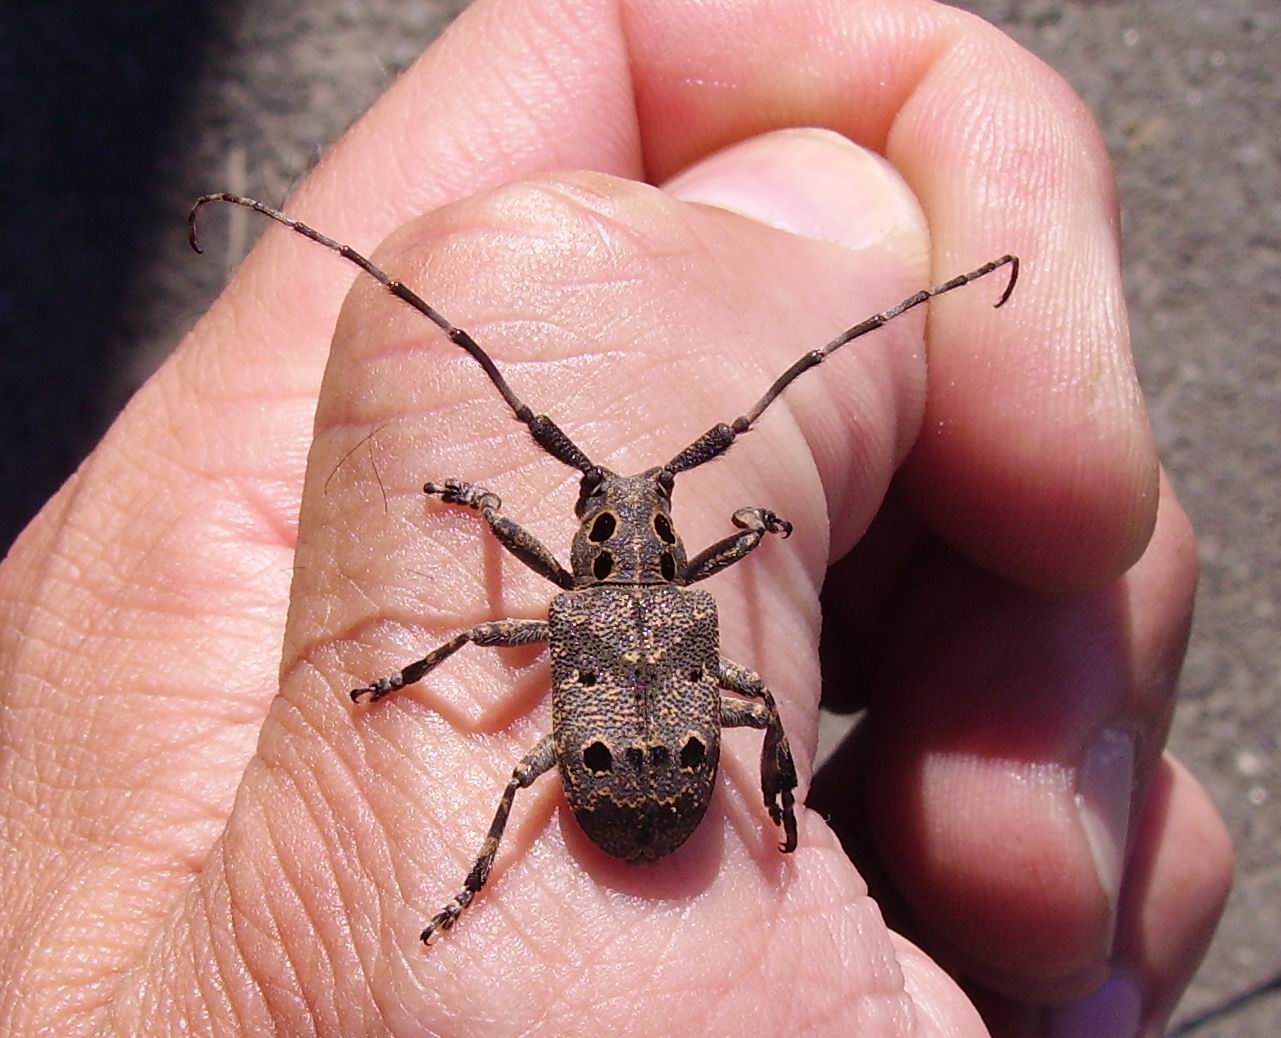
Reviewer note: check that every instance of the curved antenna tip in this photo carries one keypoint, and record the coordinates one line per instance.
(193, 238)
(1013, 261)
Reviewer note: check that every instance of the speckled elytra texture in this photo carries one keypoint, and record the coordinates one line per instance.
(636, 713)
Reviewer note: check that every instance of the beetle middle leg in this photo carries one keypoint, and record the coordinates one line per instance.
(755, 524)
(498, 633)
(540, 759)
(778, 770)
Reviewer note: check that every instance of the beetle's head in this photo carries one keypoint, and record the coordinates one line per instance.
(626, 535)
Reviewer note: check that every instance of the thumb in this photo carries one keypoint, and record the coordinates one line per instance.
(817, 184)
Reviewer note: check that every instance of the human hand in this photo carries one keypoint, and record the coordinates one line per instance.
(183, 846)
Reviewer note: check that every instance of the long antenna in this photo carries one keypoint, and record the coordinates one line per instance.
(717, 440)
(544, 431)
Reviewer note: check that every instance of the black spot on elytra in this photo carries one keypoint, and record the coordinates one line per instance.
(597, 758)
(693, 753)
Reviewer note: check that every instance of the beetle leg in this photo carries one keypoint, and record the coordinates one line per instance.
(510, 535)
(540, 759)
(778, 770)
(501, 633)
(755, 524)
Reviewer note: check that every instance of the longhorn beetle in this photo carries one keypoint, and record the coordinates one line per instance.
(637, 676)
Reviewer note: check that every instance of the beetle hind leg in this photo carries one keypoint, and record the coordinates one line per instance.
(778, 770)
(540, 759)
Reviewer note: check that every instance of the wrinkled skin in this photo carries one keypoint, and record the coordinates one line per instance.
(201, 836)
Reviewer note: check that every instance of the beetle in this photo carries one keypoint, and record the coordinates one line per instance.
(637, 676)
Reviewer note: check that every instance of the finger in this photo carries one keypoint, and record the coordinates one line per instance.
(1177, 882)
(1036, 459)
(1004, 765)
(943, 1009)
(193, 512)
(413, 781)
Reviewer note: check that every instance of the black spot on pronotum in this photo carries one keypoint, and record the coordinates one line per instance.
(597, 758)
(667, 565)
(693, 753)
(663, 527)
(603, 527)
(603, 566)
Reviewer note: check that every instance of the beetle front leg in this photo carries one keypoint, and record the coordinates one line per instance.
(778, 770)
(498, 633)
(756, 523)
(540, 759)
(510, 535)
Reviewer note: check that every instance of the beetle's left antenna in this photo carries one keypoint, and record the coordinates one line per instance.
(717, 440)
(544, 431)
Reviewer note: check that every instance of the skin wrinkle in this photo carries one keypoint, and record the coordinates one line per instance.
(259, 512)
(143, 575)
(240, 922)
(416, 343)
(235, 946)
(348, 863)
(295, 902)
(202, 1002)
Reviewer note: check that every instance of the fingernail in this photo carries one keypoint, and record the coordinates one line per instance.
(814, 183)
(1104, 794)
(1114, 1011)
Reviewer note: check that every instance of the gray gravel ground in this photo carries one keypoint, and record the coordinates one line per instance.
(115, 119)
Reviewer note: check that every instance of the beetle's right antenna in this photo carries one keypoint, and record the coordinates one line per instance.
(717, 440)
(544, 431)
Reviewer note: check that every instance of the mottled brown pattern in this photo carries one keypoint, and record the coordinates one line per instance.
(637, 670)
(642, 547)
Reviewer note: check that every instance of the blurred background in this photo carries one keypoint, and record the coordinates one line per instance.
(116, 116)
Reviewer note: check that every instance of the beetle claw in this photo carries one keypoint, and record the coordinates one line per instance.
(379, 689)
